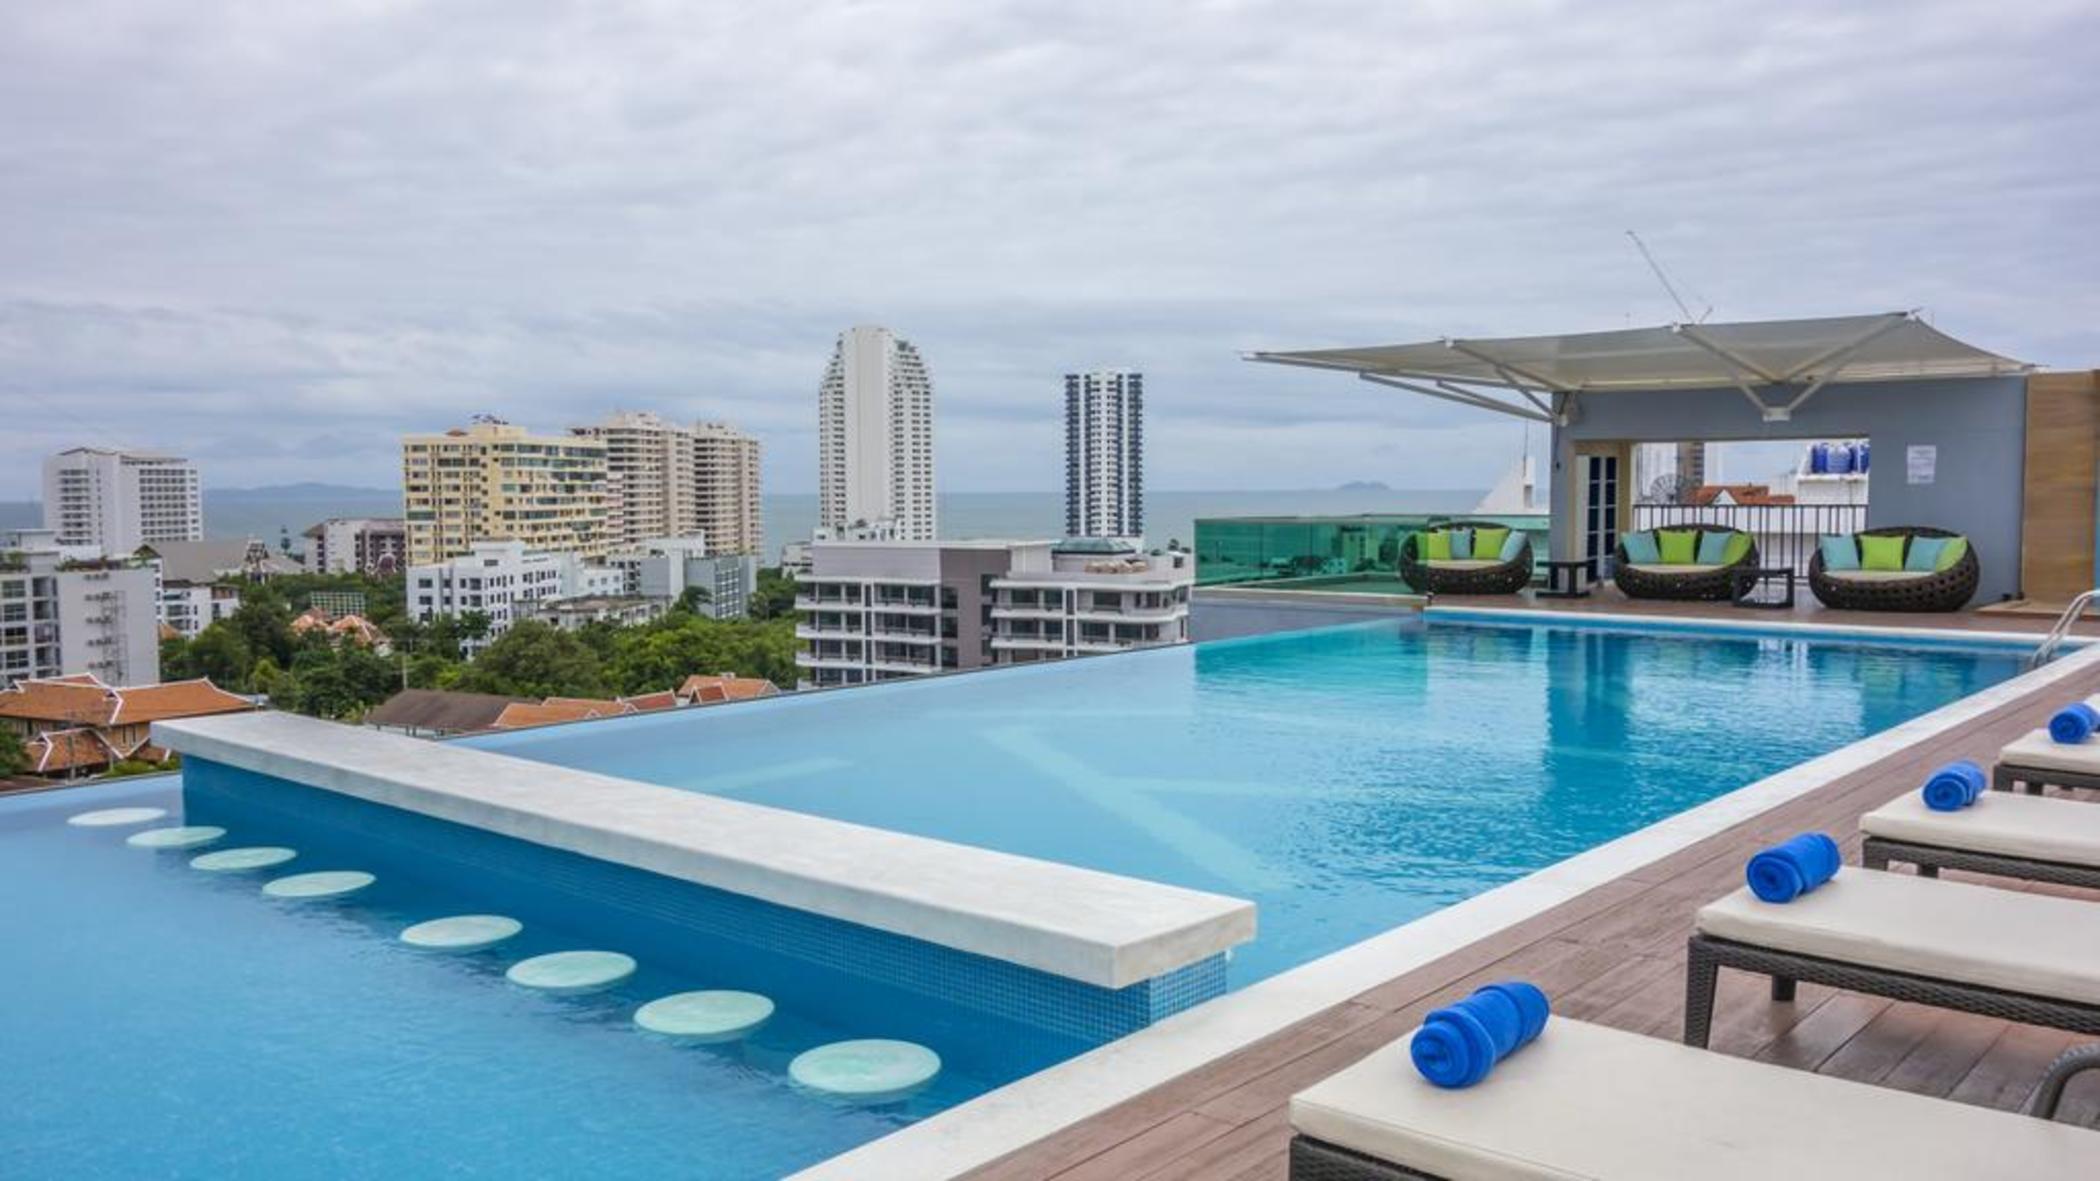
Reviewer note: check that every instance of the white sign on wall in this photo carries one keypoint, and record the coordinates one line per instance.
(1921, 461)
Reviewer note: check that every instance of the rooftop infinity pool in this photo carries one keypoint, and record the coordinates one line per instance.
(166, 1020)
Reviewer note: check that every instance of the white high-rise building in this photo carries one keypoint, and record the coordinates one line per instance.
(116, 501)
(875, 439)
(1105, 454)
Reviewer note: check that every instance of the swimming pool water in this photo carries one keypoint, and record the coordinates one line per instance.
(159, 1020)
(162, 1021)
(1346, 780)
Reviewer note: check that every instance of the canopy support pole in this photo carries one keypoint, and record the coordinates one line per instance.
(1463, 398)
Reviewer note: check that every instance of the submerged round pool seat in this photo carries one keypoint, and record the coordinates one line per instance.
(114, 817)
(568, 973)
(710, 1015)
(329, 883)
(186, 836)
(871, 1070)
(247, 857)
(462, 932)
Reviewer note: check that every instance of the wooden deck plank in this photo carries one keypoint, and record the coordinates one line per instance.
(1614, 955)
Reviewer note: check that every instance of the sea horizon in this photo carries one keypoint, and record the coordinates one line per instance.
(1170, 515)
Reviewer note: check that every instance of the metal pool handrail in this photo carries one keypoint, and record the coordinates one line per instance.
(2064, 623)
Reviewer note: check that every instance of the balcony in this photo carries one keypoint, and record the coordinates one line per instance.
(805, 603)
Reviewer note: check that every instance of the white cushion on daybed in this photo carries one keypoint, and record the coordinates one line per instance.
(1587, 1101)
(2037, 749)
(2010, 823)
(1927, 927)
(1461, 563)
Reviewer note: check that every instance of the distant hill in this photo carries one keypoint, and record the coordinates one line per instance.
(1362, 486)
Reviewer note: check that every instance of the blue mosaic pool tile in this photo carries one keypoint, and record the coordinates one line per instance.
(1060, 1007)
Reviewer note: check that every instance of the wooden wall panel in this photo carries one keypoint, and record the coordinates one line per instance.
(2063, 464)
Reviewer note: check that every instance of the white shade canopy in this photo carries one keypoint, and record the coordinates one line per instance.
(1789, 359)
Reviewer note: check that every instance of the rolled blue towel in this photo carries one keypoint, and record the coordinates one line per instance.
(2074, 723)
(1786, 871)
(1955, 786)
(1459, 1043)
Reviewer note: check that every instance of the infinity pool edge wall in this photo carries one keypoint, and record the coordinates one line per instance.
(1100, 929)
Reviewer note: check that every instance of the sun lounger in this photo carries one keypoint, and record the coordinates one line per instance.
(2017, 836)
(2036, 760)
(2024, 957)
(1587, 1101)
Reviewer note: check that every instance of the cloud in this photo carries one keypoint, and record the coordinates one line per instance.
(276, 237)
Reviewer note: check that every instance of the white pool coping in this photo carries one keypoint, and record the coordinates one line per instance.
(1099, 928)
(984, 1129)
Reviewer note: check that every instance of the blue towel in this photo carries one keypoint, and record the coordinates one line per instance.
(2074, 723)
(1955, 786)
(1458, 1044)
(1786, 871)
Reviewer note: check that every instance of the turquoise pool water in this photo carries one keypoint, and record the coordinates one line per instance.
(162, 1021)
(1346, 780)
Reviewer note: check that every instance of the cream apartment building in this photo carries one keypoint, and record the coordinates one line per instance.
(492, 481)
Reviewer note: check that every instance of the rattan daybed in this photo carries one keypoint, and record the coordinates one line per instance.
(1481, 576)
(1893, 590)
(1685, 582)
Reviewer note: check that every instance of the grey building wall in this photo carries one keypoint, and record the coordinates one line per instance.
(1979, 426)
(965, 570)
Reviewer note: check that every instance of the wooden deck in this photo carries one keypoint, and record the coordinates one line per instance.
(1614, 955)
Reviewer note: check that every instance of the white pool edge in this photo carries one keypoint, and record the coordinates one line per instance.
(984, 1129)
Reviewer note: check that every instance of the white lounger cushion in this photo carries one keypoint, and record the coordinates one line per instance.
(2016, 825)
(2039, 750)
(1983, 935)
(1462, 563)
(1877, 575)
(1587, 1101)
(1673, 568)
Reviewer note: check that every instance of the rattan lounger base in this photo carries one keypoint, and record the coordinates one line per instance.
(1931, 859)
(1317, 1160)
(2008, 776)
(1706, 956)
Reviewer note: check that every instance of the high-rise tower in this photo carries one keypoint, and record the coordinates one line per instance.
(875, 439)
(1104, 453)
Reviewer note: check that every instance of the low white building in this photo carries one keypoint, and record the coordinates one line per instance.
(666, 567)
(505, 582)
(61, 616)
(1089, 595)
(200, 581)
(876, 611)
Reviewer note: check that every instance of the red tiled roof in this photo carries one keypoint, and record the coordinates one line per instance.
(725, 687)
(555, 709)
(647, 702)
(54, 751)
(84, 701)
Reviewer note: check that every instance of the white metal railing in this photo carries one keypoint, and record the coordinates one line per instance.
(1786, 533)
(2062, 630)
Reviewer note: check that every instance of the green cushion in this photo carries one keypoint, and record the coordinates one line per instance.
(1737, 548)
(1881, 553)
(1487, 543)
(1434, 546)
(1951, 553)
(1679, 547)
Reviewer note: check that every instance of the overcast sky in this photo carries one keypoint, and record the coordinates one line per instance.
(275, 236)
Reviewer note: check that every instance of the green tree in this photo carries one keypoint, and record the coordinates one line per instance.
(664, 653)
(775, 595)
(534, 659)
(14, 753)
(221, 653)
(264, 623)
